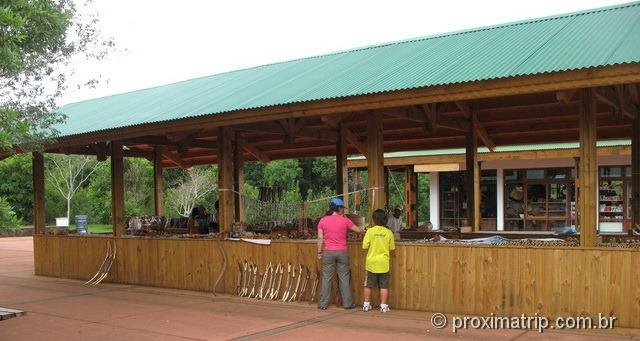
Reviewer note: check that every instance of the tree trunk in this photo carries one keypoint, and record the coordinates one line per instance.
(69, 210)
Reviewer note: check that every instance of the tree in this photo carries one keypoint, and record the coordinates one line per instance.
(191, 190)
(8, 219)
(16, 185)
(68, 173)
(38, 40)
(138, 192)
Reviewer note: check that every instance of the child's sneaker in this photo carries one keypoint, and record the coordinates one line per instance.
(384, 308)
(366, 306)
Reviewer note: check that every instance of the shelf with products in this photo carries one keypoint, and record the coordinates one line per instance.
(541, 199)
(614, 207)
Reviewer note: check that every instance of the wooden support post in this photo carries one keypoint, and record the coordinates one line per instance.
(473, 177)
(117, 188)
(158, 182)
(386, 189)
(635, 170)
(375, 161)
(357, 198)
(342, 171)
(238, 178)
(411, 195)
(225, 178)
(588, 169)
(38, 193)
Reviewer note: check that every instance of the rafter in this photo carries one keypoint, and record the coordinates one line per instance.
(282, 128)
(101, 150)
(257, 153)
(348, 134)
(566, 96)
(164, 141)
(615, 98)
(482, 132)
(634, 92)
(176, 159)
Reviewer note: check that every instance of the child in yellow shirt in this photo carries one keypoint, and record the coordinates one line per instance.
(379, 242)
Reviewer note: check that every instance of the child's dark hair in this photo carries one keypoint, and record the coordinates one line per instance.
(380, 217)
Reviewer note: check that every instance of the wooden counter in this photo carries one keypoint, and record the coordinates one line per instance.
(458, 279)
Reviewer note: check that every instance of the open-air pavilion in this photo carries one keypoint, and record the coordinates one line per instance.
(569, 78)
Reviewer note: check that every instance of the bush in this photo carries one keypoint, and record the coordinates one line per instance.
(8, 218)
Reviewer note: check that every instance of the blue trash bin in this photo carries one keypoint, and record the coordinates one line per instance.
(81, 224)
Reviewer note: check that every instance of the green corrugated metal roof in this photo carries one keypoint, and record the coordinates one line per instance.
(519, 148)
(598, 37)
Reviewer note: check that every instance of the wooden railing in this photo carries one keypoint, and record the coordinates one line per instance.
(473, 280)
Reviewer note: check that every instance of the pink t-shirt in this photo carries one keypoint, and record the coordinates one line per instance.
(334, 228)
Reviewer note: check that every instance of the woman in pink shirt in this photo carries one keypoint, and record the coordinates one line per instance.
(332, 249)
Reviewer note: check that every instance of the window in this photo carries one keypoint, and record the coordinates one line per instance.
(540, 201)
(453, 199)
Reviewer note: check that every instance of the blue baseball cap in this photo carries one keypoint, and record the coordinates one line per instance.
(336, 202)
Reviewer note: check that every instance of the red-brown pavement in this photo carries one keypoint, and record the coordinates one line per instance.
(60, 309)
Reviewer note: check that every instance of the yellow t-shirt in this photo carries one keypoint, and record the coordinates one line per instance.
(379, 241)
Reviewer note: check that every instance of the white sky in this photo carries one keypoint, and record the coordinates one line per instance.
(162, 42)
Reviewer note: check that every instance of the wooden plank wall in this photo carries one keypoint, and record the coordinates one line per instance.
(474, 280)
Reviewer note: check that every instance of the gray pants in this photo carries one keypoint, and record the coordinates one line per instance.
(331, 260)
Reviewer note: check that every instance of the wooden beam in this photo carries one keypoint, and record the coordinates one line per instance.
(432, 120)
(476, 124)
(225, 179)
(176, 159)
(565, 96)
(635, 172)
(342, 171)
(357, 197)
(431, 114)
(634, 93)
(348, 135)
(497, 156)
(158, 182)
(101, 150)
(375, 162)
(257, 153)
(290, 129)
(238, 178)
(599, 76)
(588, 169)
(411, 196)
(473, 179)
(615, 98)
(164, 141)
(38, 193)
(117, 188)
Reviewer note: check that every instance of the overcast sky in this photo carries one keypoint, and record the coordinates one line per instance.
(161, 42)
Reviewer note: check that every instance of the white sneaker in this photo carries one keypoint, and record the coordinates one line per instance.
(366, 307)
(384, 309)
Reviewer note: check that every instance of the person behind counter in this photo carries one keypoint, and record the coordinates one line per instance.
(332, 250)
(378, 241)
(395, 223)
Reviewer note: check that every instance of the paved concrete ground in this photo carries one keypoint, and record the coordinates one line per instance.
(60, 309)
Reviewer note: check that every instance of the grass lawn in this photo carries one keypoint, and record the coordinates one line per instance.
(96, 228)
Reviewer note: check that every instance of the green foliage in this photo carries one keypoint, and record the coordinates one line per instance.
(318, 175)
(282, 173)
(314, 177)
(254, 174)
(138, 181)
(15, 186)
(423, 198)
(38, 40)
(8, 219)
(396, 189)
(99, 195)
